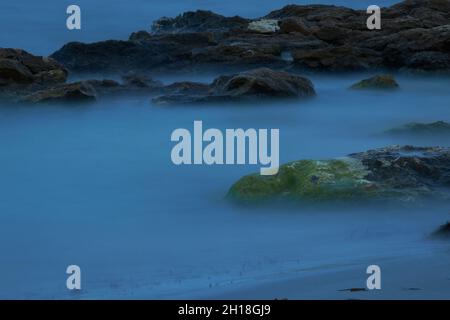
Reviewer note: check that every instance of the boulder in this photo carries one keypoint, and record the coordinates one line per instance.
(138, 80)
(255, 84)
(18, 67)
(442, 232)
(438, 128)
(396, 173)
(383, 82)
(264, 82)
(76, 92)
(13, 72)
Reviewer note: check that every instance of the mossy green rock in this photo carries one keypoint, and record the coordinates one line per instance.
(309, 180)
(382, 82)
(393, 173)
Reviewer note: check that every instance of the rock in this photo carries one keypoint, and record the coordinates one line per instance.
(393, 173)
(13, 72)
(422, 129)
(254, 84)
(187, 87)
(443, 231)
(340, 59)
(415, 36)
(18, 67)
(198, 21)
(76, 92)
(264, 82)
(294, 25)
(383, 82)
(428, 61)
(264, 26)
(141, 81)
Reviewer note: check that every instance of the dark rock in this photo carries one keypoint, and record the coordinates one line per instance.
(294, 25)
(254, 84)
(392, 173)
(422, 129)
(342, 59)
(70, 93)
(20, 67)
(187, 87)
(443, 231)
(198, 21)
(13, 72)
(415, 35)
(141, 81)
(264, 82)
(383, 82)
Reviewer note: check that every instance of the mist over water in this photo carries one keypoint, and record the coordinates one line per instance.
(94, 186)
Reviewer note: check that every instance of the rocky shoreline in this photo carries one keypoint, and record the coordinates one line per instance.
(261, 59)
(415, 35)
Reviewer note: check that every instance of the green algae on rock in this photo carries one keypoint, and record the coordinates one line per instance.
(393, 173)
(308, 180)
(378, 82)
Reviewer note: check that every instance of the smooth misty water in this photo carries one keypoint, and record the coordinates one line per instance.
(95, 186)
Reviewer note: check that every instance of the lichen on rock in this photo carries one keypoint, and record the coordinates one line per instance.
(264, 26)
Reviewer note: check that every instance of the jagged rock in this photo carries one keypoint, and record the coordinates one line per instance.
(384, 81)
(18, 67)
(73, 92)
(392, 173)
(13, 72)
(422, 129)
(254, 84)
(198, 21)
(415, 35)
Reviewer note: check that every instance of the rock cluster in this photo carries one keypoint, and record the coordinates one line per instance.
(415, 35)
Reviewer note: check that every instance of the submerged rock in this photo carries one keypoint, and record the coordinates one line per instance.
(438, 128)
(393, 173)
(141, 81)
(383, 82)
(254, 84)
(70, 93)
(443, 231)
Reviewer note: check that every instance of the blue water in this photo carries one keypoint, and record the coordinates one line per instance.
(95, 186)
